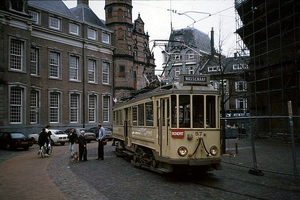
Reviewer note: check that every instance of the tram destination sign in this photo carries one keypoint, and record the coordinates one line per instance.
(192, 79)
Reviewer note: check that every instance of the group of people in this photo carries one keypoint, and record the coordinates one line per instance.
(82, 144)
(45, 138)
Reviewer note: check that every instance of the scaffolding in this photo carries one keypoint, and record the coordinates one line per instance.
(268, 31)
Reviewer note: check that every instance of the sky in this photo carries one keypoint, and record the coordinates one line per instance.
(160, 15)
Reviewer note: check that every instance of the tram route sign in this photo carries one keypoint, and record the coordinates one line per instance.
(177, 133)
(194, 79)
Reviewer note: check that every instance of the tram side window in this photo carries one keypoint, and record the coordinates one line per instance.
(210, 112)
(198, 111)
(141, 115)
(184, 111)
(134, 115)
(149, 114)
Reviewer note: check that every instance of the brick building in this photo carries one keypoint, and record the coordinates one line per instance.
(56, 66)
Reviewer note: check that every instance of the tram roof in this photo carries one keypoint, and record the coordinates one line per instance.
(175, 88)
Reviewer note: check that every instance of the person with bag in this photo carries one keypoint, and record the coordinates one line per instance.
(82, 147)
(100, 139)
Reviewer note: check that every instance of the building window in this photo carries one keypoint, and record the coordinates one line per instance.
(74, 108)
(16, 55)
(54, 65)
(91, 34)
(16, 103)
(92, 71)
(106, 38)
(74, 29)
(34, 62)
(191, 70)
(54, 110)
(17, 5)
(34, 106)
(240, 86)
(74, 68)
(35, 16)
(54, 23)
(240, 66)
(191, 56)
(177, 72)
(105, 72)
(122, 71)
(92, 108)
(105, 108)
(241, 103)
(109, 12)
(213, 69)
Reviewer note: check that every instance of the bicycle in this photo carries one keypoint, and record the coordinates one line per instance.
(43, 150)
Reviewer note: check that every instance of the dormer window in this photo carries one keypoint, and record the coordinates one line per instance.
(35, 16)
(91, 34)
(106, 38)
(17, 5)
(54, 23)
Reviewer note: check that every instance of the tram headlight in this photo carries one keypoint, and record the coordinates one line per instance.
(182, 151)
(214, 150)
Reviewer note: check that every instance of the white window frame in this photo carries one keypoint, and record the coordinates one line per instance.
(73, 29)
(239, 66)
(17, 55)
(34, 62)
(105, 38)
(240, 101)
(177, 72)
(105, 108)
(54, 106)
(92, 34)
(105, 72)
(54, 23)
(35, 16)
(74, 68)
(92, 78)
(54, 64)
(74, 107)
(92, 106)
(34, 106)
(17, 104)
(213, 69)
(242, 85)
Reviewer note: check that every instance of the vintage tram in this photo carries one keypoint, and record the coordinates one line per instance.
(174, 127)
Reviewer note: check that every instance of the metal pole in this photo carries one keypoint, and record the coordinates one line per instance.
(254, 170)
(292, 137)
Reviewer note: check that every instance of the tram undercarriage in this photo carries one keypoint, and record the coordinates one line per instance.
(147, 158)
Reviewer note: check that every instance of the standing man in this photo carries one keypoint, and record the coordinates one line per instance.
(72, 136)
(101, 135)
(82, 147)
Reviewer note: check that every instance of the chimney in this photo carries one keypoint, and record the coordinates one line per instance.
(212, 42)
(83, 2)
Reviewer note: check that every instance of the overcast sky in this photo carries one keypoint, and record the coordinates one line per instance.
(160, 14)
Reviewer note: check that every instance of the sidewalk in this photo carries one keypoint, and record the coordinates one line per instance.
(25, 177)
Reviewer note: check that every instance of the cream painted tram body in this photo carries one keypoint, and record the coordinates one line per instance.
(174, 127)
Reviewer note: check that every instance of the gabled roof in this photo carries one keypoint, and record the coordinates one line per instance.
(193, 37)
(85, 14)
(52, 6)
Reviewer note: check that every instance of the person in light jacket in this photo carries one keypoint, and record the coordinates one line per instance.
(101, 135)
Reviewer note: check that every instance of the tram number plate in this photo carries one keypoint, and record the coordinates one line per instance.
(177, 133)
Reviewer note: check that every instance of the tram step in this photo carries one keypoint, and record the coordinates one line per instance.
(164, 170)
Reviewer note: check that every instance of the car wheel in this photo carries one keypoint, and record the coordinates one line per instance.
(26, 148)
(33, 140)
(62, 143)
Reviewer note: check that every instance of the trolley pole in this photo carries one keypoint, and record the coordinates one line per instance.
(292, 137)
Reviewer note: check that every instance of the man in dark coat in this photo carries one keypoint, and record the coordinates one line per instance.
(82, 147)
(43, 138)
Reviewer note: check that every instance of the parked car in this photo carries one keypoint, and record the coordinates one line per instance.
(108, 132)
(89, 136)
(14, 140)
(57, 136)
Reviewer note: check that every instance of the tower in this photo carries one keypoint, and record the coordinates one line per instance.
(132, 59)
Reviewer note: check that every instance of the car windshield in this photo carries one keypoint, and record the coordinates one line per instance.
(17, 135)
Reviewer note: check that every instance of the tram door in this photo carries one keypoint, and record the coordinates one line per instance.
(127, 127)
(163, 126)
